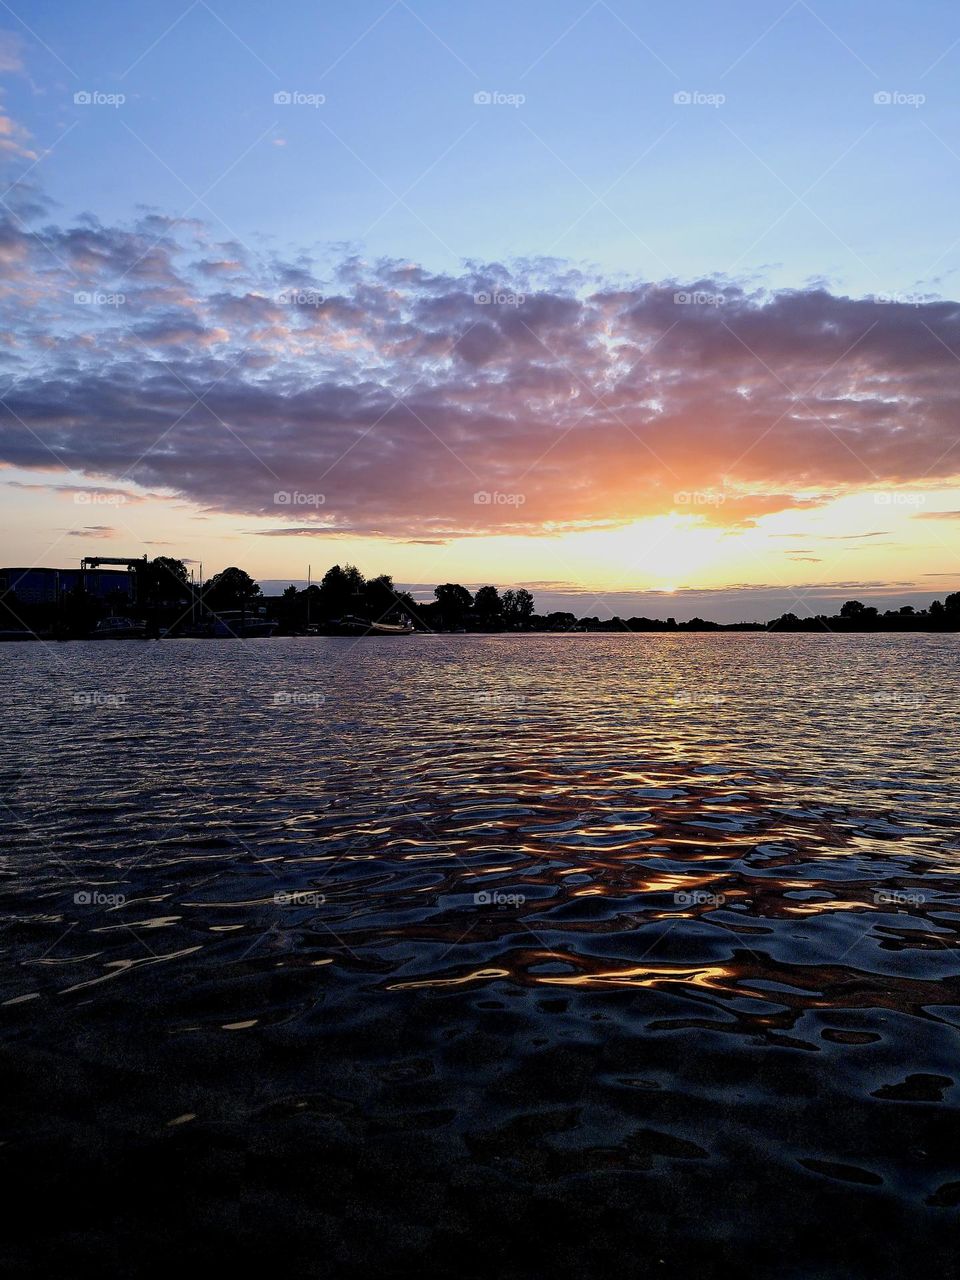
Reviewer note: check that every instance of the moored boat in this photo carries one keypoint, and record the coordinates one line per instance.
(238, 624)
(228, 624)
(119, 629)
(349, 625)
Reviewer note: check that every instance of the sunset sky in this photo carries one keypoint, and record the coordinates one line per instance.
(650, 308)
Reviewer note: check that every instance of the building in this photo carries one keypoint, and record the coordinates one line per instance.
(47, 586)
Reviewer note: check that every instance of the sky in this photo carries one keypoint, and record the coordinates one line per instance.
(649, 307)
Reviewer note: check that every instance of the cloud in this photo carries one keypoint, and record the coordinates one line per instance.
(393, 401)
(92, 531)
(219, 267)
(174, 330)
(82, 493)
(14, 138)
(11, 53)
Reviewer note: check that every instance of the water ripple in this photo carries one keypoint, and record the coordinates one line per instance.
(644, 890)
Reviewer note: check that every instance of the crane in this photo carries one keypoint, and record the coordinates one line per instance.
(134, 564)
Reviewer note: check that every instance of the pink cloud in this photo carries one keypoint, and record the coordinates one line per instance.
(427, 406)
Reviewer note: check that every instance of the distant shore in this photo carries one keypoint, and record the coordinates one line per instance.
(815, 626)
(162, 600)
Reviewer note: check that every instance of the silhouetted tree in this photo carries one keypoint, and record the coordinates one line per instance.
(163, 579)
(340, 591)
(379, 597)
(232, 588)
(453, 603)
(289, 607)
(560, 621)
(488, 606)
(863, 616)
(517, 607)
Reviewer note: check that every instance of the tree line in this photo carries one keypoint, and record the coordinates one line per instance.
(344, 592)
(167, 597)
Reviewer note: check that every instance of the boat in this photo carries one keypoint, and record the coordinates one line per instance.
(228, 624)
(349, 625)
(119, 629)
(239, 624)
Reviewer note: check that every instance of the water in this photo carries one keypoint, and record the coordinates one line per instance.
(641, 947)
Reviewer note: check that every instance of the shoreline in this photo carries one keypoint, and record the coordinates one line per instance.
(758, 629)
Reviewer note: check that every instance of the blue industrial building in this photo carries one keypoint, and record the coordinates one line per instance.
(47, 586)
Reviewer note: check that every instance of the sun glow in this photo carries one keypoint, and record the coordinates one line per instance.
(663, 552)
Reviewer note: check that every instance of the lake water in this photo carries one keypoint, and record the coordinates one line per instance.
(484, 955)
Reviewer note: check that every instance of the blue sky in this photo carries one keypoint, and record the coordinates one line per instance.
(693, 191)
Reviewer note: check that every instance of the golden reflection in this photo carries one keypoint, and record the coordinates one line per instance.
(818, 908)
(719, 978)
(702, 976)
(477, 975)
(119, 967)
